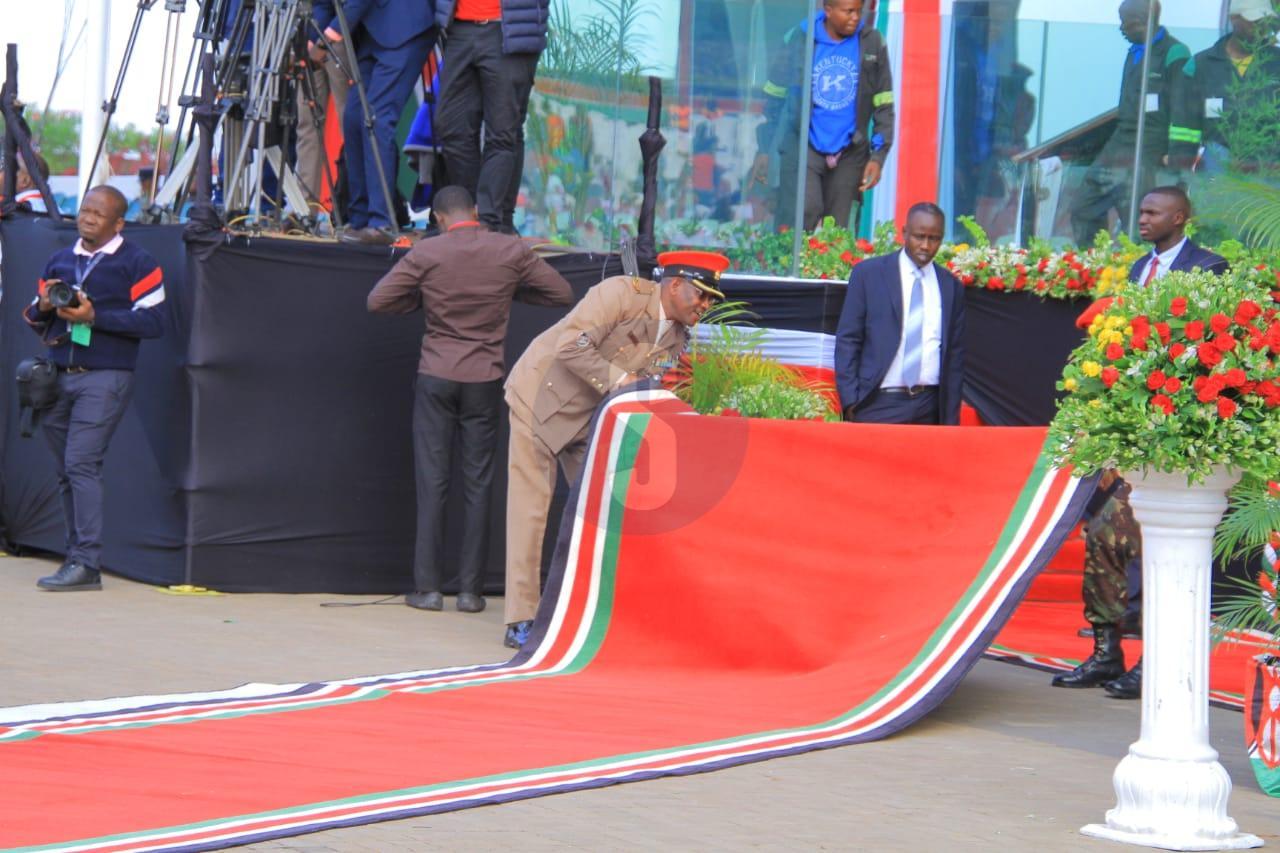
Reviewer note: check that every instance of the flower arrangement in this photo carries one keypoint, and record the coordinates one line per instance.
(829, 251)
(1179, 376)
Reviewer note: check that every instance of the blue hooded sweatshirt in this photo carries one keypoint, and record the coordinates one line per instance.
(836, 64)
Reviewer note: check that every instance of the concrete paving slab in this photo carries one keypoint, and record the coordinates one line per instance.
(1006, 763)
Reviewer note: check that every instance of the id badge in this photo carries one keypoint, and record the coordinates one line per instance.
(1213, 107)
(80, 333)
(1153, 102)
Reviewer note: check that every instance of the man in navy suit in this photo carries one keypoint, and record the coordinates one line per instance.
(1162, 222)
(900, 342)
(1112, 589)
(391, 41)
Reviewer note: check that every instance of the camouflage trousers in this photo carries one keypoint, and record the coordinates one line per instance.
(1112, 541)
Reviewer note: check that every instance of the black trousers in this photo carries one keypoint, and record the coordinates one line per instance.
(448, 414)
(884, 407)
(481, 84)
(78, 429)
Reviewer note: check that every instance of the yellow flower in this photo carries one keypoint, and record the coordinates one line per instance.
(1095, 326)
(1070, 384)
(1128, 331)
(1095, 403)
(1114, 322)
(1091, 368)
(961, 247)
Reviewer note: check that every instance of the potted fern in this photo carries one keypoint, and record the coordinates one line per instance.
(1251, 531)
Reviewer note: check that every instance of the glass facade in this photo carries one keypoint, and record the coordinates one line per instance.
(1042, 109)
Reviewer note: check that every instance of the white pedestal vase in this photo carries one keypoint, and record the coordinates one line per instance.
(1171, 791)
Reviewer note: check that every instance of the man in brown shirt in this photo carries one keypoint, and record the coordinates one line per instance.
(625, 329)
(464, 280)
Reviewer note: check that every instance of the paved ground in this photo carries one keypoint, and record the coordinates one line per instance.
(1007, 763)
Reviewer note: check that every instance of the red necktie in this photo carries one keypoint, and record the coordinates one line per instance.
(1151, 270)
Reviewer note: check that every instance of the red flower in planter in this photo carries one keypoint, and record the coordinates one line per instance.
(1194, 330)
(995, 283)
(1179, 306)
(865, 246)
(1156, 380)
(1172, 385)
(1208, 388)
(815, 243)
(1226, 408)
(1209, 356)
(1020, 282)
(1219, 323)
(846, 256)
(1235, 377)
(1246, 311)
(1163, 403)
(1115, 352)
(1176, 350)
(1223, 343)
(1109, 376)
(1163, 330)
(1273, 489)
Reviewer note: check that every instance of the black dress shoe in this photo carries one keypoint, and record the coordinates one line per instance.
(470, 602)
(425, 600)
(1105, 664)
(71, 577)
(1127, 686)
(368, 236)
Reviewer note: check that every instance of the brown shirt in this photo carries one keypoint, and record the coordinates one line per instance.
(464, 280)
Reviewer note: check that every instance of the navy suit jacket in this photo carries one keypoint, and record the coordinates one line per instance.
(390, 23)
(1191, 257)
(870, 330)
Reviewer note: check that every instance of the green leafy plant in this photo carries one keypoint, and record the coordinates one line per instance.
(1251, 529)
(1179, 376)
(724, 362)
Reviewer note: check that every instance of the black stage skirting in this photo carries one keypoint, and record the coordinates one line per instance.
(268, 446)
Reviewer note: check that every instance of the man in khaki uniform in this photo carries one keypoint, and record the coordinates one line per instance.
(624, 330)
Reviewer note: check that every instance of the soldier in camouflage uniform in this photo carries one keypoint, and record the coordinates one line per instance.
(1112, 542)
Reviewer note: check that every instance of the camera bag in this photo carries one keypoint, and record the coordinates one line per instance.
(37, 391)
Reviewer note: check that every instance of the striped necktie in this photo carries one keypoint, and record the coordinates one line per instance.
(913, 332)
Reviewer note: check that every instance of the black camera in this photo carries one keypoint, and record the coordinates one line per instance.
(62, 295)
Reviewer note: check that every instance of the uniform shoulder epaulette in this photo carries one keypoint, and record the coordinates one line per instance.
(642, 286)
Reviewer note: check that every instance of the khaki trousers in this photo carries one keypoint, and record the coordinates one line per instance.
(531, 482)
(328, 79)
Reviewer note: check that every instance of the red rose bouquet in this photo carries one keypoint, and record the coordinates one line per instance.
(1179, 376)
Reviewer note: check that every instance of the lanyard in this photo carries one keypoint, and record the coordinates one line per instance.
(81, 275)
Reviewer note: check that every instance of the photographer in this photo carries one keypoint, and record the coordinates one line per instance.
(95, 301)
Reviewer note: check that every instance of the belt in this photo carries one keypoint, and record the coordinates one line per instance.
(477, 23)
(75, 368)
(909, 391)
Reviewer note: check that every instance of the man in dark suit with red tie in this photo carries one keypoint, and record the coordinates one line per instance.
(1162, 222)
(900, 341)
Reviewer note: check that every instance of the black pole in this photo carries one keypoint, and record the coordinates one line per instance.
(651, 144)
(205, 118)
(17, 137)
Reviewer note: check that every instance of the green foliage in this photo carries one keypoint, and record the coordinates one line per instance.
(1175, 379)
(977, 234)
(1252, 525)
(727, 371)
(598, 49)
(1253, 517)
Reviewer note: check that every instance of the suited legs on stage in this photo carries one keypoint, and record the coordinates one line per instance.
(442, 411)
(482, 85)
(388, 75)
(894, 407)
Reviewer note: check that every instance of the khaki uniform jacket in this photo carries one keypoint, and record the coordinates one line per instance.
(568, 369)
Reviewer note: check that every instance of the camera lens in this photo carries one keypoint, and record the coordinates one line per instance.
(62, 295)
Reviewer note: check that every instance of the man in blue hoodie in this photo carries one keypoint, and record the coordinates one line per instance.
(850, 122)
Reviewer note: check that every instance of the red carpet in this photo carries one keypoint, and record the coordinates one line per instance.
(725, 590)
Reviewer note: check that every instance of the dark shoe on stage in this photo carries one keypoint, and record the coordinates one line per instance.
(1127, 686)
(1105, 664)
(517, 634)
(470, 603)
(425, 600)
(71, 577)
(368, 236)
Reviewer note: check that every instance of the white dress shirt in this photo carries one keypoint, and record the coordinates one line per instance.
(1166, 257)
(931, 354)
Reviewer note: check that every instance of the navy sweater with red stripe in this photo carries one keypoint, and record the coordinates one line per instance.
(127, 291)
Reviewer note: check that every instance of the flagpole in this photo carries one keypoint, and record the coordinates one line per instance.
(92, 117)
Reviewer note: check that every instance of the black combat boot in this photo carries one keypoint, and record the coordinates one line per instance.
(1105, 664)
(1127, 686)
